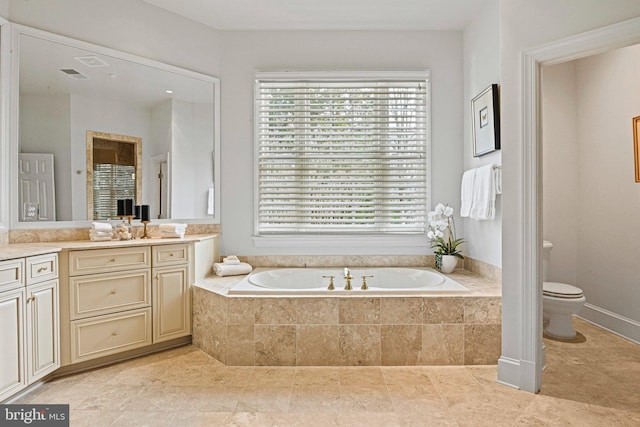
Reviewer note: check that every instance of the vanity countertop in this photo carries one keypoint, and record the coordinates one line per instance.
(19, 250)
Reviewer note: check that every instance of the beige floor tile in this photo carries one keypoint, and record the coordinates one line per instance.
(592, 381)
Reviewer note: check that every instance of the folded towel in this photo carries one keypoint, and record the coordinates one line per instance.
(101, 233)
(100, 236)
(231, 260)
(172, 227)
(484, 193)
(222, 269)
(101, 226)
(466, 192)
(168, 234)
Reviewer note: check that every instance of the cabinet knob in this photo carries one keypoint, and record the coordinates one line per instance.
(113, 292)
(41, 269)
(31, 298)
(113, 334)
(112, 260)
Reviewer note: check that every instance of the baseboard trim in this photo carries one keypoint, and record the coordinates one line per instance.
(509, 372)
(612, 322)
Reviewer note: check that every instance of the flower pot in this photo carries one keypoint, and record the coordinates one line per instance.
(448, 263)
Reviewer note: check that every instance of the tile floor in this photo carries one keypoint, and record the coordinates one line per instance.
(594, 381)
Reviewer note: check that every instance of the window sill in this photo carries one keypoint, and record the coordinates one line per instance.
(333, 242)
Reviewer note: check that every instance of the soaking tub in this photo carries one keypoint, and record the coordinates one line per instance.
(315, 281)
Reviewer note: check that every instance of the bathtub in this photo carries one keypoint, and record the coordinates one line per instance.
(310, 281)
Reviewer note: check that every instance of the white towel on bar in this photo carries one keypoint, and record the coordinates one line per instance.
(222, 269)
(466, 192)
(484, 193)
(210, 201)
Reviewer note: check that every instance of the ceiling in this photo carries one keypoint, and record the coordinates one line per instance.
(327, 14)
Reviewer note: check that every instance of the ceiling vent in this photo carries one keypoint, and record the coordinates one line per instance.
(91, 61)
(74, 73)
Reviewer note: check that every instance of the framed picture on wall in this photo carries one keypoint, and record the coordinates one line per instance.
(636, 145)
(485, 113)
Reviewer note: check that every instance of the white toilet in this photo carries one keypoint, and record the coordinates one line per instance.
(560, 302)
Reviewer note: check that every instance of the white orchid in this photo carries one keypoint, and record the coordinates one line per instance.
(441, 221)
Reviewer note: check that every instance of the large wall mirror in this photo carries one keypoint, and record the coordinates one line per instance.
(68, 88)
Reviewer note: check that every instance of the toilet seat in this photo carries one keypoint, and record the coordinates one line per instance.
(561, 290)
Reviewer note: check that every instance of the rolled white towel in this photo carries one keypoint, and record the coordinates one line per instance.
(101, 226)
(231, 260)
(222, 269)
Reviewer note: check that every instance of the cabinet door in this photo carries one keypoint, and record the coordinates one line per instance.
(171, 303)
(43, 338)
(12, 377)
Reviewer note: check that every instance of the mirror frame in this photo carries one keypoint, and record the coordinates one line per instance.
(9, 117)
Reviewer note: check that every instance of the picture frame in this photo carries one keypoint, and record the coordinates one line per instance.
(485, 119)
(636, 146)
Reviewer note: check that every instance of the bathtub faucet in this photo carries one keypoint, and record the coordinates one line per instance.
(347, 277)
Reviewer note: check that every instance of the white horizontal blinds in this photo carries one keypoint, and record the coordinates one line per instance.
(341, 156)
(110, 183)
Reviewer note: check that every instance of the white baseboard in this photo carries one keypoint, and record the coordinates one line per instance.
(612, 322)
(509, 372)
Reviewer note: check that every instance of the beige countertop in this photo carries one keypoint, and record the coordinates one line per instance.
(19, 250)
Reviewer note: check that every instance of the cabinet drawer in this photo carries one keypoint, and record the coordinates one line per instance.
(107, 293)
(105, 335)
(170, 255)
(42, 268)
(11, 274)
(107, 260)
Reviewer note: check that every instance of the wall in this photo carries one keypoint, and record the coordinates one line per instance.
(525, 24)
(482, 68)
(104, 116)
(561, 151)
(130, 26)
(244, 52)
(45, 128)
(609, 197)
(192, 159)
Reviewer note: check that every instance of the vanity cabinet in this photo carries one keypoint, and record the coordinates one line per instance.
(126, 298)
(29, 316)
(171, 292)
(109, 301)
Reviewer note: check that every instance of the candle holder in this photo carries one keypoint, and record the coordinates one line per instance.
(144, 234)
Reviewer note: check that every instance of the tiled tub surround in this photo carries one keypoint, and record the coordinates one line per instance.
(442, 329)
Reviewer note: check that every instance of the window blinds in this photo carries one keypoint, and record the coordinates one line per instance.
(341, 156)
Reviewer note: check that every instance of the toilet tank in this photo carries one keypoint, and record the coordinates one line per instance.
(546, 254)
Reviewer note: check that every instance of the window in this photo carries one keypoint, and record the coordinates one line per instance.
(341, 153)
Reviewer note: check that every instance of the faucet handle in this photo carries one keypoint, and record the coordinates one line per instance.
(331, 286)
(364, 286)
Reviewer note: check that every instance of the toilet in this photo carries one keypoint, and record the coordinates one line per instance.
(560, 302)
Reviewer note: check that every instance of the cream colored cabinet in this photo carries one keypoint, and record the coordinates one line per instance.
(42, 326)
(171, 292)
(12, 372)
(127, 298)
(29, 320)
(109, 301)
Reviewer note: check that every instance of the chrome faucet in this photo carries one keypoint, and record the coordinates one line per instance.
(347, 277)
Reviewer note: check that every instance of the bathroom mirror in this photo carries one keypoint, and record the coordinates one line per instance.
(68, 88)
